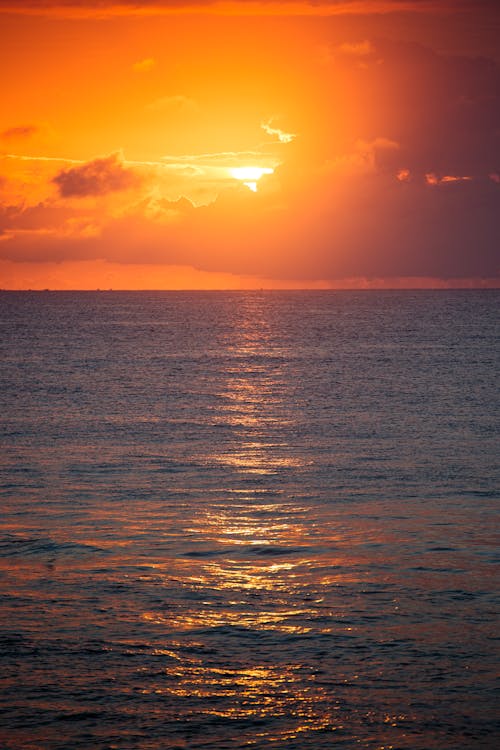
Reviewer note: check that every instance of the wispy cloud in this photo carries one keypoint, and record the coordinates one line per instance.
(282, 136)
(24, 157)
(144, 66)
(433, 179)
(19, 132)
(356, 49)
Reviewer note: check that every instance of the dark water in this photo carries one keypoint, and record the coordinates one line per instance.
(249, 520)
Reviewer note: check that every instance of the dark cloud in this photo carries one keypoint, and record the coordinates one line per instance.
(19, 131)
(97, 177)
(442, 110)
(8, 215)
(361, 225)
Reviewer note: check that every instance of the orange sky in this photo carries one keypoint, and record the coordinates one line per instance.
(120, 127)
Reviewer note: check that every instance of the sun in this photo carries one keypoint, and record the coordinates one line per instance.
(250, 175)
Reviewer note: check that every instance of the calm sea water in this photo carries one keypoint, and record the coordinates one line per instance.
(249, 520)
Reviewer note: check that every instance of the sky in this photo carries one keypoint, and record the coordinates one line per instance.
(233, 145)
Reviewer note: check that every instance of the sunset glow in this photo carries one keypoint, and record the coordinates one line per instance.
(367, 132)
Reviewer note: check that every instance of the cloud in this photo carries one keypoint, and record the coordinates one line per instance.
(97, 177)
(380, 153)
(20, 132)
(433, 179)
(445, 109)
(283, 137)
(144, 66)
(359, 54)
(215, 159)
(356, 49)
(403, 175)
(45, 217)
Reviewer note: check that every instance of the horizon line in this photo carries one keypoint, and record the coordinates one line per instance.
(263, 289)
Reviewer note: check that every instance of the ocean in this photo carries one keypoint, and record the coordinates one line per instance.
(260, 520)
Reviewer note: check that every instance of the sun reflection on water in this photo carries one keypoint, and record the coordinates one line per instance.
(271, 619)
(251, 524)
(256, 458)
(250, 567)
(258, 692)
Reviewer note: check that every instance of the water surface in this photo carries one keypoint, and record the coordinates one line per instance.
(249, 520)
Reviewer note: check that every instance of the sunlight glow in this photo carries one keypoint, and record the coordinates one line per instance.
(249, 175)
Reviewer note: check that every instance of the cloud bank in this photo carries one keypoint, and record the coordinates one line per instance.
(367, 223)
